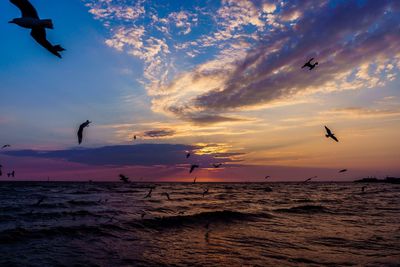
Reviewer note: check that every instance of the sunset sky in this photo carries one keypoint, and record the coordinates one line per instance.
(220, 78)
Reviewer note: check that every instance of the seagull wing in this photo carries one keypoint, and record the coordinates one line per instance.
(334, 138)
(80, 133)
(328, 131)
(26, 8)
(39, 34)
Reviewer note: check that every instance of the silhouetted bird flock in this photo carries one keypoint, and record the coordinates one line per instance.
(30, 20)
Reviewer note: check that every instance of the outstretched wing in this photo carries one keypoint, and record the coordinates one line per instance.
(328, 131)
(26, 8)
(80, 133)
(334, 138)
(39, 34)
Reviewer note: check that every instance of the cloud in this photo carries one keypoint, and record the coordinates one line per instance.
(129, 155)
(159, 133)
(263, 77)
(249, 52)
(360, 112)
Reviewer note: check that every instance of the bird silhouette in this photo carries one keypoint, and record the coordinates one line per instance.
(194, 166)
(344, 170)
(330, 134)
(149, 193)
(30, 20)
(309, 65)
(5, 146)
(11, 174)
(167, 195)
(266, 177)
(217, 165)
(188, 155)
(124, 178)
(194, 180)
(80, 130)
(205, 192)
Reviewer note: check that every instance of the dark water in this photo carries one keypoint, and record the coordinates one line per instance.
(100, 224)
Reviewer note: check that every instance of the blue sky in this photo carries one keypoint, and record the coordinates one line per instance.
(221, 75)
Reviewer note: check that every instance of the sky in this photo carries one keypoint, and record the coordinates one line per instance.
(221, 79)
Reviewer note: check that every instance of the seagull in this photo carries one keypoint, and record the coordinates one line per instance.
(205, 192)
(344, 170)
(330, 134)
(166, 194)
(5, 146)
(124, 178)
(309, 179)
(194, 166)
(309, 65)
(80, 130)
(217, 165)
(149, 194)
(30, 20)
(188, 155)
(194, 180)
(266, 177)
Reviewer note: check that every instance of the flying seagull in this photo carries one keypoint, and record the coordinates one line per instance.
(266, 177)
(5, 146)
(188, 155)
(166, 194)
(344, 170)
(30, 20)
(309, 179)
(309, 65)
(205, 192)
(80, 130)
(194, 166)
(149, 193)
(217, 165)
(124, 178)
(330, 134)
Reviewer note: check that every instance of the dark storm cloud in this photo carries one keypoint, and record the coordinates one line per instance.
(124, 155)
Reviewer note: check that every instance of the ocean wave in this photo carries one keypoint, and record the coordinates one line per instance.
(307, 209)
(83, 203)
(20, 234)
(223, 216)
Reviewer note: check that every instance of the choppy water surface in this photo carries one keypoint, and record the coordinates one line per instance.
(101, 224)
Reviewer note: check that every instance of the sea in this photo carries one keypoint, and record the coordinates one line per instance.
(234, 224)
